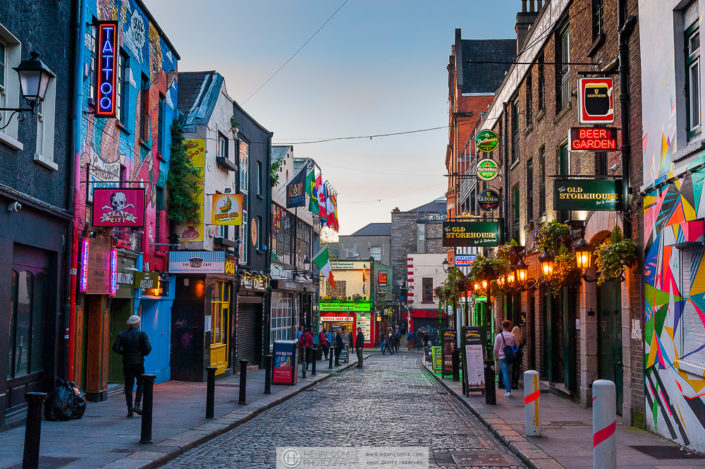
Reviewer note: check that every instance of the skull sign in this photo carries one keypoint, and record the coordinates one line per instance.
(118, 202)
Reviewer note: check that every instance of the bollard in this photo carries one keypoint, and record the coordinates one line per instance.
(456, 364)
(330, 357)
(313, 362)
(268, 374)
(210, 392)
(490, 395)
(531, 403)
(33, 429)
(243, 382)
(147, 403)
(604, 424)
(302, 360)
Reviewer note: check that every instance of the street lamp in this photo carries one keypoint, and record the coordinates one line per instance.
(546, 262)
(307, 265)
(445, 265)
(522, 271)
(34, 78)
(583, 258)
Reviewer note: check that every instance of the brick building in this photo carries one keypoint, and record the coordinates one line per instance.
(586, 332)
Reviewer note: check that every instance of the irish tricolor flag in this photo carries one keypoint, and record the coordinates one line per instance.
(322, 261)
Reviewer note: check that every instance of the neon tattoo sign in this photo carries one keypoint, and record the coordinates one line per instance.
(83, 280)
(113, 272)
(105, 73)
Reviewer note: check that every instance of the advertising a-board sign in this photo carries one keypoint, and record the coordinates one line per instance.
(586, 194)
(486, 140)
(471, 233)
(436, 359)
(488, 200)
(487, 169)
(284, 364)
(448, 336)
(593, 139)
(595, 101)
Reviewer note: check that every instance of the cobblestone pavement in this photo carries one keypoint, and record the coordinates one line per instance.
(391, 402)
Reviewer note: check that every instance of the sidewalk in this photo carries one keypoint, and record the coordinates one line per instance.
(104, 437)
(566, 429)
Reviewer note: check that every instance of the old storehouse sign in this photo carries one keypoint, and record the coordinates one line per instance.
(586, 194)
(473, 233)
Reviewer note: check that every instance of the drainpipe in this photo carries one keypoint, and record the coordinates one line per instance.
(268, 255)
(74, 186)
(505, 166)
(626, 27)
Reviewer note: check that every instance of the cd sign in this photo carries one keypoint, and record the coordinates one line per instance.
(486, 140)
(488, 200)
(487, 169)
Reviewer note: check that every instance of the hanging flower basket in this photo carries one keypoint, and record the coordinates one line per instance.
(565, 271)
(613, 256)
(488, 268)
(550, 237)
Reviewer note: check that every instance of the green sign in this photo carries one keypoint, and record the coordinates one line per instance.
(346, 305)
(586, 194)
(486, 140)
(146, 280)
(437, 359)
(471, 233)
(487, 169)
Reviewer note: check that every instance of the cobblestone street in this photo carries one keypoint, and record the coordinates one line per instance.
(392, 402)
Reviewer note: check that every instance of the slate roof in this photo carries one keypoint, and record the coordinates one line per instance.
(375, 229)
(279, 152)
(484, 78)
(198, 93)
(437, 206)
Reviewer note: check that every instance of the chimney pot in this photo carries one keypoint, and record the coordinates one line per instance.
(531, 6)
(539, 5)
(523, 6)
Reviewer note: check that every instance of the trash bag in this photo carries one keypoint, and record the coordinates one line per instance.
(65, 402)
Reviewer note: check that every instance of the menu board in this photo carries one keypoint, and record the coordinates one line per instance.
(448, 347)
(363, 321)
(284, 367)
(474, 366)
(436, 358)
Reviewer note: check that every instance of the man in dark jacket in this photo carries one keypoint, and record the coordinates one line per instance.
(359, 343)
(338, 346)
(133, 344)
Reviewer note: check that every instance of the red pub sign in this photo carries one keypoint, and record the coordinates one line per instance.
(118, 207)
(593, 139)
(595, 101)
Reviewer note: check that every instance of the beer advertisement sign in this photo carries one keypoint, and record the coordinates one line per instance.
(595, 101)
(487, 169)
(586, 194)
(486, 140)
(472, 233)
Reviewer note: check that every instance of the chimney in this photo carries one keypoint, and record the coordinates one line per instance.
(524, 21)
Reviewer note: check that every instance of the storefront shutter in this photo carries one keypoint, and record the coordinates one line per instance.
(247, 333)
(691, 325)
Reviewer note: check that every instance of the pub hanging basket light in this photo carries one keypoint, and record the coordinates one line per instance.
(583, 254)
(522, 271)
(546, 262)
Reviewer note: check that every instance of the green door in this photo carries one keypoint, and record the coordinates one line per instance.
(609, 332)
(547, 342)
(119, 312)
(568, 352)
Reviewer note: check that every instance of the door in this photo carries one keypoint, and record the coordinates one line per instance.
(119, 312)
(568, 343)
(248, 337)
(547, 369)
(220, 319)
(156, 322)
(609, 300)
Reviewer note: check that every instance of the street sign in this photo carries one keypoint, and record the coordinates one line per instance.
(595, 101)
(488, 200)
(487, 169)
(471, 233)
(586, 194)
(486, 140)
(593, 139)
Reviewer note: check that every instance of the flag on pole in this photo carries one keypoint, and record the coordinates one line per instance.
(335, 226)
(322, 261)
(320, 188)
(311, 191)
(330, 209)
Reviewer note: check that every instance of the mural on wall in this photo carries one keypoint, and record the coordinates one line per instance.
(673, 221)
(118, 151)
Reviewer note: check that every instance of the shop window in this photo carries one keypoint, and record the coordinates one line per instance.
(220, 312)
(282, 317)
(26, 308)
(692, 332)
(427, 290)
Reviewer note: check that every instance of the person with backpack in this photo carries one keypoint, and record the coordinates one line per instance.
(305, 342)
(516, 368)
(505, 347)
(409, 341)
(133, 344)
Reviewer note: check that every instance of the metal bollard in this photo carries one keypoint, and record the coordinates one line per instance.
(604, 425)
(456, 364)
(210, 392)
(268, 374)
(330, 358)
(33, 429)
(302, 360)
(532, 392)
(243, 382)
(147, 404)
(490, 391)
(313, 362)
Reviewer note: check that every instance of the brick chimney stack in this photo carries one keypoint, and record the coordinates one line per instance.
(525, 19)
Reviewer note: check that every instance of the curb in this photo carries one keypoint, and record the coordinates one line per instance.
(508, 437)
(199, 437)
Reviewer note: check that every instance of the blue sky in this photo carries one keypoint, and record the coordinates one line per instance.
(378, 66)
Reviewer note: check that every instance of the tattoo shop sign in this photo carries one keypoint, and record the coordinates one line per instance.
(474, 233)
(586, 194)
(117, 207)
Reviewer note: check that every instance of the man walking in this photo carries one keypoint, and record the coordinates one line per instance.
(323, 341)
(305, 342)
(133, 344)
(338, 346)
(359, 342)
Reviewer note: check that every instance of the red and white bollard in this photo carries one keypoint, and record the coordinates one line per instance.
(532, 392)
(604, 425)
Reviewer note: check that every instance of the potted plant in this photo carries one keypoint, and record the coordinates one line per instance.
(550, 237)
(614, 255)
(234, 126)
(565, 271)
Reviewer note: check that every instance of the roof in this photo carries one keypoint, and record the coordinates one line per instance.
(198, 94)
(159, 30)
(374, 229)
(437, 206)
(280, 151)
(484, 77)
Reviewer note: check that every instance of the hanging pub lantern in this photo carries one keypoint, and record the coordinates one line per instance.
(583, 254)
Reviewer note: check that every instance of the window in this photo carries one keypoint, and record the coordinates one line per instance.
(160, 125)
(44, 151)
(282, 316)
(244, 166)
(692, 86)
(427, 290)
(10, 56)
(529, 99)
(598, 18)
(282, 240)
(376, 253)
(259, 178)
(244, 237)
(515, 131)
(542, 181)
(26, 309)
(122, 87)
(515, 212)
(563, 169)
(421, 238)
(144, 109)
(303, 242)
(158, 221)
(222, 146)
(542, 82)
(530, 190)
(562, 69)
(220, 312)
(692, 334)
(92, 41)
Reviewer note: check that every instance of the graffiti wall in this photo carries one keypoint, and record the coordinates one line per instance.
(674, 228)
(132, 149)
